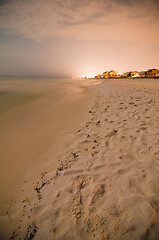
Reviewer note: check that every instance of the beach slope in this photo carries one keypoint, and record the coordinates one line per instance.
(106, 184)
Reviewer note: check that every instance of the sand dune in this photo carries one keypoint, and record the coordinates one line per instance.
(106, 185)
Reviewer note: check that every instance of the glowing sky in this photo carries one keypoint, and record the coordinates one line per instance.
(78, 37)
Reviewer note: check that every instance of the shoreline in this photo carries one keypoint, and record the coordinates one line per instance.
(32, 131)
(105, 186)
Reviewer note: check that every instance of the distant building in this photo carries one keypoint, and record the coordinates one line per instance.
(112, 74)
(125, 74)
(119, 75)
(142, 74)
(131, 74)
(99, 76)
(152, 73)
(105, 74)
(135, 74)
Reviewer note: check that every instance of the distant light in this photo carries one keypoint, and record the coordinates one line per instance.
(84, 77)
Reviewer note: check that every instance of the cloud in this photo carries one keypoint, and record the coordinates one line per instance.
(4, 2)
(84, 19)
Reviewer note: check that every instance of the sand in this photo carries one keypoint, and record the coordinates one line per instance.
(34, 116)
(106, 183)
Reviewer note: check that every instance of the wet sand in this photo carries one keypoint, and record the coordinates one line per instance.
(106, 183)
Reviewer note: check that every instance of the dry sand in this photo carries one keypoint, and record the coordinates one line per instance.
(106, 184)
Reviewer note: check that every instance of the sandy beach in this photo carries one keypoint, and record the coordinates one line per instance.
(105, 185)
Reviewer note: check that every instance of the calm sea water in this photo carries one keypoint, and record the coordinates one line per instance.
(15, 91)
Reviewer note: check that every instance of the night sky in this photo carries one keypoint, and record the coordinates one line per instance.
(78, 37)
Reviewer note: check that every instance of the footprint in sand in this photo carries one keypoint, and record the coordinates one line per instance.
(98, 191)
(122, 171)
